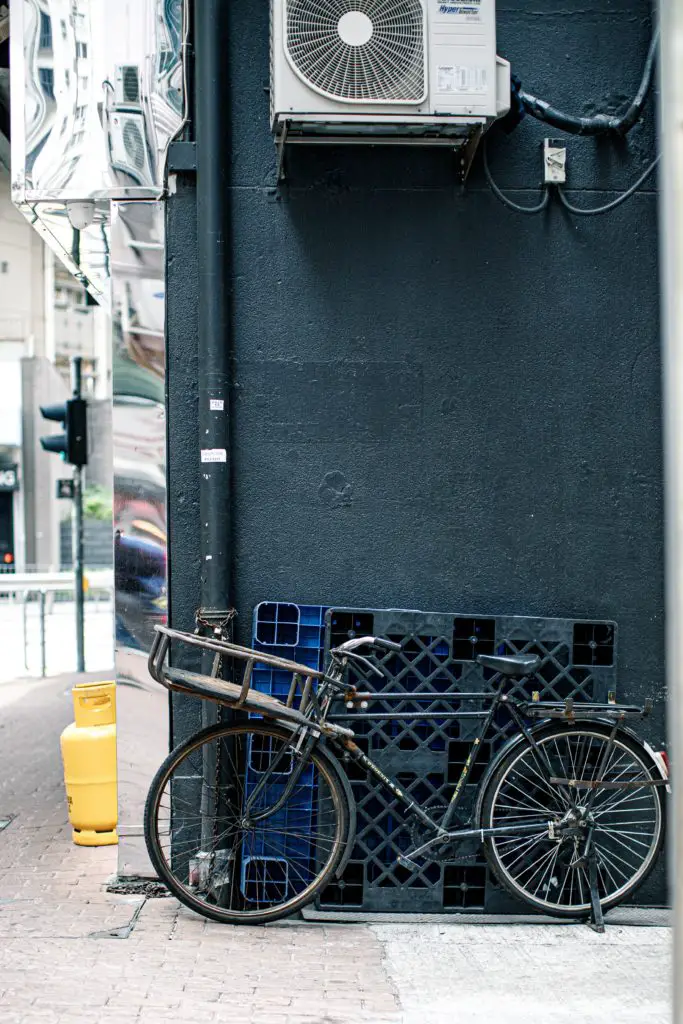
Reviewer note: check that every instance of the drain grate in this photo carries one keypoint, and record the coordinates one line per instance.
(147, 887)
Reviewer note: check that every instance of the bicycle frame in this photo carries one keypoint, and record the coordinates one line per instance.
(516, 710)
(497, 699)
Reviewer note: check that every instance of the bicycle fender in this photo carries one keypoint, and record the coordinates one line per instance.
(515, 741)
(655, 757)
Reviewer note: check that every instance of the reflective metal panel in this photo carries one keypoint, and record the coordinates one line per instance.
(97, 96)
(137, 264)
(98, 93)
(86, 252)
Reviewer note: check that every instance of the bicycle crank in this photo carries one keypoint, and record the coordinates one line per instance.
(406, 859)
(442, 851)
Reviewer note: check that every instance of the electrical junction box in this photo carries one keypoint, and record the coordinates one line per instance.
(412, 71)
(554, 162)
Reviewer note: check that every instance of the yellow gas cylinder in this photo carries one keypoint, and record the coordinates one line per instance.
(89, 756)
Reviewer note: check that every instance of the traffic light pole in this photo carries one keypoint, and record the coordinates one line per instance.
(72, 447)
(77, 535)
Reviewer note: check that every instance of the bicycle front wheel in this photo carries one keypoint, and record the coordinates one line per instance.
(624, 826)
(238, 830)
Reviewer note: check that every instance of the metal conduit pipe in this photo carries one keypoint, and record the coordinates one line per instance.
(213, 350)
(213, 251)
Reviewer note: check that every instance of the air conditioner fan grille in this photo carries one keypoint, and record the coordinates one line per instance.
(361, 50)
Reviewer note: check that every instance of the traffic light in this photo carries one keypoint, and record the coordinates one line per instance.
(72, 445)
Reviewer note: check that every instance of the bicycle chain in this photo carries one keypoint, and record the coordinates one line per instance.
(439, 854)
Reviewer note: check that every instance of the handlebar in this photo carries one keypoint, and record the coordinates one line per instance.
(378, 642)
(386, 645)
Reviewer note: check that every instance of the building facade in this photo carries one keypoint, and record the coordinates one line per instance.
(436, 401)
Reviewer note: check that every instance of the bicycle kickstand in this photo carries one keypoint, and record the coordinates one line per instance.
(597, 921)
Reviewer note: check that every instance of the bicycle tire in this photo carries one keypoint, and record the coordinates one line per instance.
(280, 853)
(614, 841)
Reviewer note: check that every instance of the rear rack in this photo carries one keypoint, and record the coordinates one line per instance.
(571, 711)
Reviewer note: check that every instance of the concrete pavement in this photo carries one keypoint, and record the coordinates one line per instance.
(72, 952)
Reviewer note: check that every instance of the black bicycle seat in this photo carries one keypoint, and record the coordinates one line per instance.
(516, 665)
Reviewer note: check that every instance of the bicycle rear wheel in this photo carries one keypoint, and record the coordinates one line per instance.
(627, 825)
(231, 837)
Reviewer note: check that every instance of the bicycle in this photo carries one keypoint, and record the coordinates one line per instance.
(247, 821)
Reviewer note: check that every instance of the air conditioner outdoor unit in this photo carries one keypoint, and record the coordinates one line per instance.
(392, 71)
(127, 86)
(128, 146)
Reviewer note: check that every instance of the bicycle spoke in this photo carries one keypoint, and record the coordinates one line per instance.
(552, 791)
(617, 836)
(548, 870)
(617, 798)
(603, 864)
(517, 845)
(536, 866)
(527, 796)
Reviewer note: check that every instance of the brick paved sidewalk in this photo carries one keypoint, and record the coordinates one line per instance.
(71, 952)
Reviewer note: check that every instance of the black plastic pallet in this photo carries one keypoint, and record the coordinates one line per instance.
(438, 652)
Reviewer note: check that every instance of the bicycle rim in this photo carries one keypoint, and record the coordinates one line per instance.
(220, 841)
(626, 824)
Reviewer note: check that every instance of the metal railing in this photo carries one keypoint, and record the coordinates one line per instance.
(42, 584)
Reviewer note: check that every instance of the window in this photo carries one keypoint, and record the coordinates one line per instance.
(67, 77)
(45, 32)
(63, 27)
(81, 49)
(4, 267)
(46, 77)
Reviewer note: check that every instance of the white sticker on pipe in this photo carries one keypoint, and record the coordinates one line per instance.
(214, 455)
(216, 405)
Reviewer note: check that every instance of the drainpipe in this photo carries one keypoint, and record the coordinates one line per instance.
(213, 250)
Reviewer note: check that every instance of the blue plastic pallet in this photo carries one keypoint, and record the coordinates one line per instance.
(274, 857)
(296, 632)
(292, 631)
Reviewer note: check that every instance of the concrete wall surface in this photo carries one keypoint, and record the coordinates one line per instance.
(438, 403)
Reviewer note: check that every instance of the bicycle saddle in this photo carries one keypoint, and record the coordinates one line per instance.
(516, 665)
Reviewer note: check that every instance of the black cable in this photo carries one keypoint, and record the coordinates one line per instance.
(594, 211)
(600, 124)
(503, 198)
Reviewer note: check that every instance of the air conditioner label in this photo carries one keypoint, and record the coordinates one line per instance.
(454, 78)
(469, 9)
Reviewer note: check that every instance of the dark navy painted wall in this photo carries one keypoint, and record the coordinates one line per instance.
(438, 403)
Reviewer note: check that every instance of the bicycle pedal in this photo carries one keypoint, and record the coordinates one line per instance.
(406, 862)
